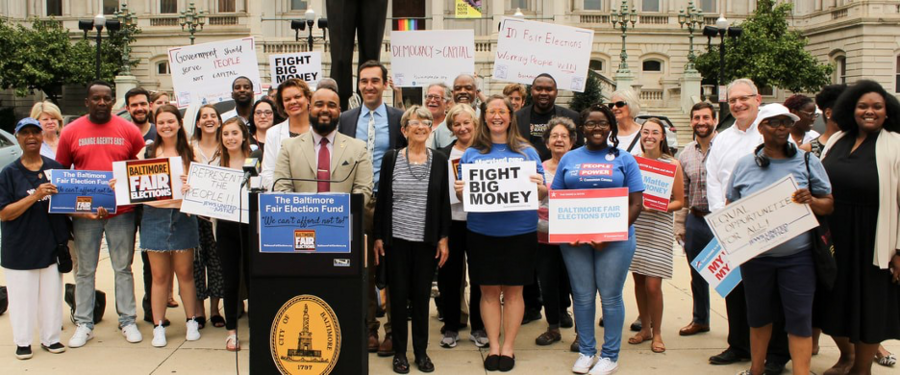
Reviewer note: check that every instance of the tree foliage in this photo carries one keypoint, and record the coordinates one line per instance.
(769, 53)
(593, 93)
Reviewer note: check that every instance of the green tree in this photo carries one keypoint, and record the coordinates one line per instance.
(593, 93)
(769, 53)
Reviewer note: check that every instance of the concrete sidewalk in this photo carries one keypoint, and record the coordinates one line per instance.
(109, 353)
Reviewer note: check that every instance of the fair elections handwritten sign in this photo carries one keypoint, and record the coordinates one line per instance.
(588, 215)
(307, 66)
(761, 221)
(204, 72)
(150, 180)
(712, 263)
(499, 187)
(659, 177)
(526, 49)
(419, 58)
(216, 192)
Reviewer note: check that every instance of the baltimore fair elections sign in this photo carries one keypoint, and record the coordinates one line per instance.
(499, 187)
(150, 180)
(419, 58)
(204, 72)
(304, 223)
(526, 49)
(305, 66)
(81, 191)
(588, 215)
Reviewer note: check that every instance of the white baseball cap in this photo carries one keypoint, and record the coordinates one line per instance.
(773, 110)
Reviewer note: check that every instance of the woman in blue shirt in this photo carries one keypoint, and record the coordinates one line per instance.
(503, 244)
(600, 267)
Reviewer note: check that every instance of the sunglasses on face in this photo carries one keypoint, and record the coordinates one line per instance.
(618, 104)
(774, 123)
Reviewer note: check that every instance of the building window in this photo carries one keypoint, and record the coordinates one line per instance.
(841, 69)
(299, 5)
(650, 6)
(596, 65)
(110, 6)
(521, 4)
(54, 8)
(226, 6)
(162, 68)
(652, 66)
(708, 6)
(593, 4)
(168, 6)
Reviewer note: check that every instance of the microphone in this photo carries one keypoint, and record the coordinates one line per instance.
(251, 169)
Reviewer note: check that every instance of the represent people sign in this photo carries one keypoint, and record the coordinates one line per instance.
(216, 192)
(419, 58)
(659, 177)
(761, 221)
(588, 215)
(81, 191)
(204, 72)
(526, 49)
(306, 66)
(304, 223)
(140, 181)
(499, 187)
(712, 263)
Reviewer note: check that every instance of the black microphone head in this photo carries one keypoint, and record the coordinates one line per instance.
(251, 166)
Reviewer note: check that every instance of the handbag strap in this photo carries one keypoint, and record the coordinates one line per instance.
(633, 142)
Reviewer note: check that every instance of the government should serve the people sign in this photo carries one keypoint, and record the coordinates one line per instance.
(526, 49)
(204, 72)
(588, 215)
(306, 66)
(216, 192)
(499, 187)
(761, 221)
(150, 180)
(419, 58)
(81, 191)
(659, 177)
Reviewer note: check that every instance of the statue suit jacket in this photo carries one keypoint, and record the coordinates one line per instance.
(350, 164)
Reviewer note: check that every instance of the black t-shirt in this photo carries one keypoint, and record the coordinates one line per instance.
(536, 130)
(29, 242)
(150, 137)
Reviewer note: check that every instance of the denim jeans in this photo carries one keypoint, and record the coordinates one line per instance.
(120, 240)
(697, 236)
(603, 271)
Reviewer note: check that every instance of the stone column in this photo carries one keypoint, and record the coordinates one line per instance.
(690, 87)
(123, 84)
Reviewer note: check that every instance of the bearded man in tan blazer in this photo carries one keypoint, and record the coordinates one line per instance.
(350, 167)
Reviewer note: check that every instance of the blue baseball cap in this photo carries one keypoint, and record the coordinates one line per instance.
(28, 121)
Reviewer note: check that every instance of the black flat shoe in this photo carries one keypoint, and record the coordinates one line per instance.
(401, 365)
(492, 362)
(773, 368)
(727, 357)
(506, 363)
(424, 364)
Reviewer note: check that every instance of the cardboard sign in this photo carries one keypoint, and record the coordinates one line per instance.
(500, 187)
(659, 177)
(712, 263)
(216, 192)
(468, 8)
(761, 221)
(588, 215)
(526, 49)
(304, 223)
(81, 191)
(307, 66)
(140, 181)
(419, 58)
(204, 72)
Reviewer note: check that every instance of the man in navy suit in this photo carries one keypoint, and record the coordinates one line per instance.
(378, 125)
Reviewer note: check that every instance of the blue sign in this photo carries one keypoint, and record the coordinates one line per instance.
(712, 263)
(304, 223)
(81, 192)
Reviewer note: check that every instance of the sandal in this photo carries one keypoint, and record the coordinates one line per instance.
(658, 347)
(201, 321)
(217, 321)
(889, 360)
(232, 344)
(172, 303)
(638, 338)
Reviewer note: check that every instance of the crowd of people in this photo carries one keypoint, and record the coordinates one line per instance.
(397, 158)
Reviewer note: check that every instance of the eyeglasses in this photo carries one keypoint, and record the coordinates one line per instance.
(812, 114)
(263, 113)
(742, 99)
(497, 112)
(591, 125)
(774, 123)
(618, 104)
(414, 123)
(433, 97)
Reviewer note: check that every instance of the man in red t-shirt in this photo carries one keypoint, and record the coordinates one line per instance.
(94, 142)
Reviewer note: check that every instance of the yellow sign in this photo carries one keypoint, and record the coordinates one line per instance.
(305, 337)
(468, 8)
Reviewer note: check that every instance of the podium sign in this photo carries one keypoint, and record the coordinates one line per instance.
(304, 223)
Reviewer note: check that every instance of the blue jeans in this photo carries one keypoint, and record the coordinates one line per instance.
(696, 236)
(120, 240)
(604, 271)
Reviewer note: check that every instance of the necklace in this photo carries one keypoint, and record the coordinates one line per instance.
(427, 164)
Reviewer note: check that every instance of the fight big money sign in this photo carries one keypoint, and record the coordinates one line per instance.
(204, 72)
(526, 49)
(140, 181)
(761, 221)
(306, 66)
(499, 187)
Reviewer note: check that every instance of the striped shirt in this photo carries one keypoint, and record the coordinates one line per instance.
(410, 185)
(693, 164)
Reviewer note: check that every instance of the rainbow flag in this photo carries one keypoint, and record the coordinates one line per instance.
(405, 24)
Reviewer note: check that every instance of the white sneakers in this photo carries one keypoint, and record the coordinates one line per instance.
(583, 364)
(81, 336)
(193, 331)
(604, 366)
(159, 336)
(132, 334)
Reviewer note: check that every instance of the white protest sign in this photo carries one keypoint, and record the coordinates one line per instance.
(150, 180)
(659, 178)
(216, 192)
(204, 72)
(761, 221)
(499, 187)
(526, 49)
(307, 66)
(419, 58)
(588, 215)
